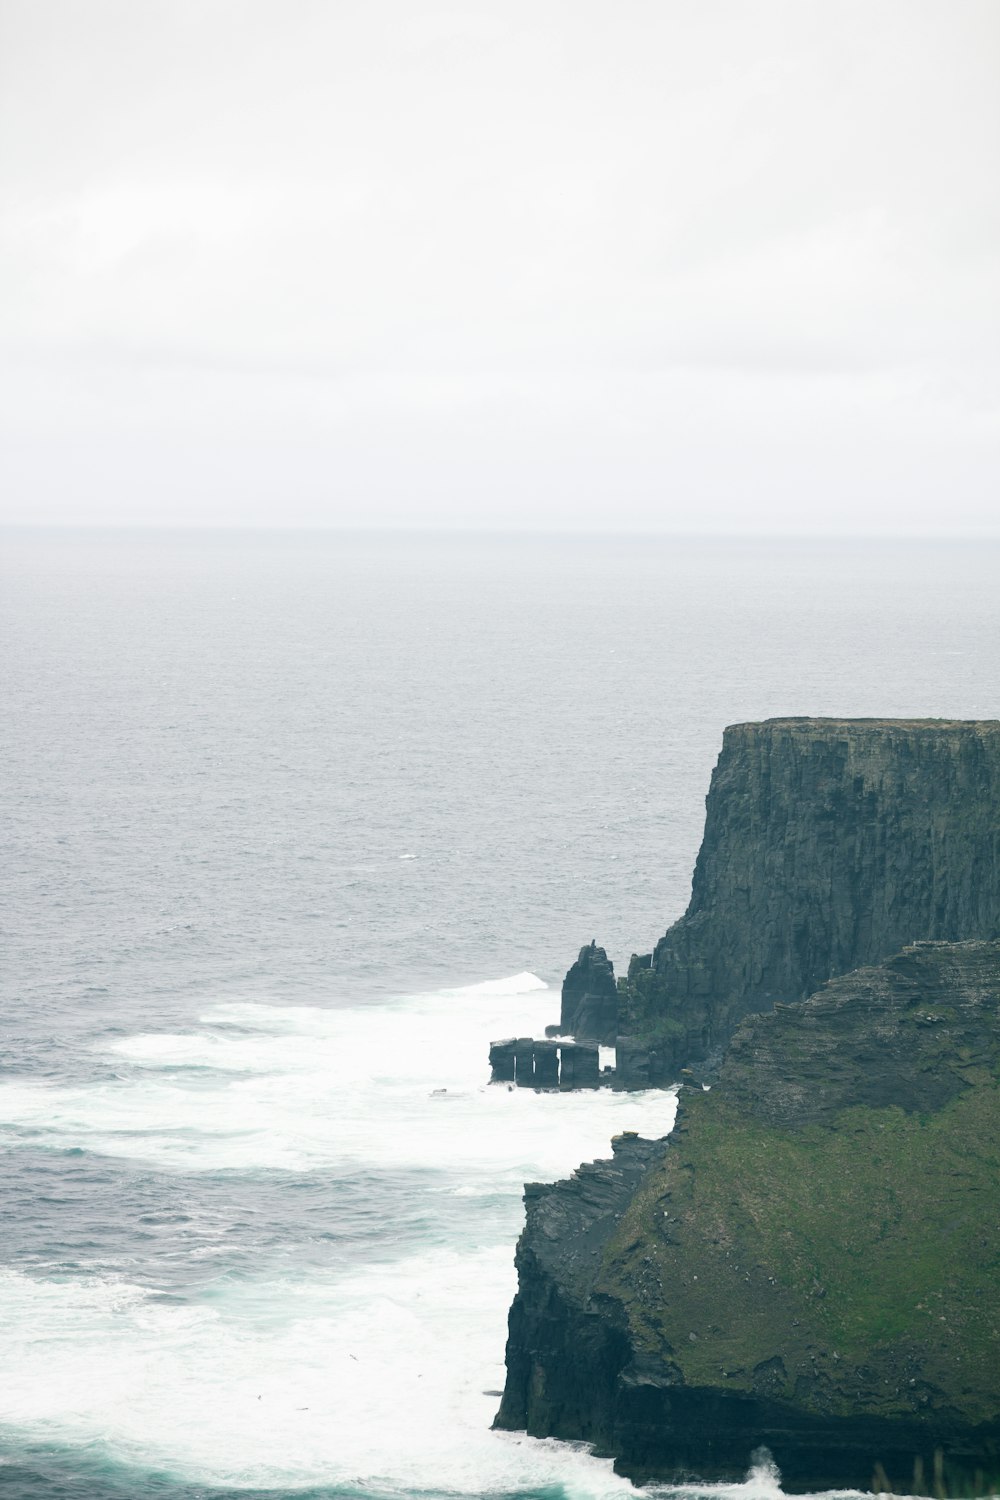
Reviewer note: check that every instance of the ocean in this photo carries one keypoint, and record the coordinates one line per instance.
(293, 826)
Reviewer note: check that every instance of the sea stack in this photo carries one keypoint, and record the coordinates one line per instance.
(589, 1008)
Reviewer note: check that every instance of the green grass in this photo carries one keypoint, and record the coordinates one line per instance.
(865, 1255)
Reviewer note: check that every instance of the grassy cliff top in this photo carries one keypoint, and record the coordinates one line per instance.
(810, 726)
(835, 1247)
(849, 1268)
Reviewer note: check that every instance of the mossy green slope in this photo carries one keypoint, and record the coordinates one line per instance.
(824, 1228)
(853, 1264)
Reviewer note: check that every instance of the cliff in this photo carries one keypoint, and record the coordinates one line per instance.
(810, 1262)
(829, 844)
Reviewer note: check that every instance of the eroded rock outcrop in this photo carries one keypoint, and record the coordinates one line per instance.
(589, 1008)
(810, 1262)
(566, 1353)
(829, 844)
(552, 1063)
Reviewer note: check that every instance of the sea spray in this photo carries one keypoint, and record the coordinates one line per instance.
(370, 1364)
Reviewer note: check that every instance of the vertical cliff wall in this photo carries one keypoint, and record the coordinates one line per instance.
(829, 844)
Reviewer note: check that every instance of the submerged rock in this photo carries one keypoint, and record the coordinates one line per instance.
(810, 1261)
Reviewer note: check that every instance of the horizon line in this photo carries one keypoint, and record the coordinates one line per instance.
(267, 528)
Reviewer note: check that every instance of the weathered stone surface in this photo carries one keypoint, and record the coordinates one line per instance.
(829, 844)
(502, 1060)
(524, 1062)
(548, 1064)
(912, 1033)
(810, 1262)
(579, 1066)
(546, 1055)
(563, 1358)
(590, 998)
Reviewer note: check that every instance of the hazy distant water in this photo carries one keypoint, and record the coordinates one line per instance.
(278, 815)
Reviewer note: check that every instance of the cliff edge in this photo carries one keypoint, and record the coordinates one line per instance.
(829, 844)
(810, 1261)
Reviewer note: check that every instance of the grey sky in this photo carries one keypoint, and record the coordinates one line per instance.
(648, 264)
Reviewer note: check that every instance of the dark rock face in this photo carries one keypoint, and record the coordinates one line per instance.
(809, 1263)
(502, 1060)
(913, 1033)
(590, 998)
(524, 1062)
(546, 1056)
(550, 1064)
(565, 1354)
(579, 1066)
(828, 845)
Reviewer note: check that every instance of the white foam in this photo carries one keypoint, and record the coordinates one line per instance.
(303, 1088)
(372, 1378)
(312, 1089)
(375, 1378)
(524, 983)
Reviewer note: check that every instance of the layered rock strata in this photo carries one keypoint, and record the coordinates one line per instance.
(589, 1007)
(809, 1263)
(828, 844)
(532, 1063)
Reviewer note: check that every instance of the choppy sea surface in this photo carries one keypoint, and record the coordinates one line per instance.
(293, 825)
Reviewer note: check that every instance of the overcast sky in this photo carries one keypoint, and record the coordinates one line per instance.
(603, 264)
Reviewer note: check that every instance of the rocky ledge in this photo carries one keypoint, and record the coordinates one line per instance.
(810, 1262)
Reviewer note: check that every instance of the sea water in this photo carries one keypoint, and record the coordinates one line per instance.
(294, 826)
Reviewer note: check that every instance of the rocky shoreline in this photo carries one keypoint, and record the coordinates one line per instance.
(809, 1262)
